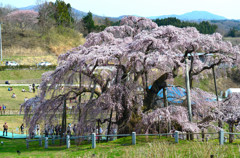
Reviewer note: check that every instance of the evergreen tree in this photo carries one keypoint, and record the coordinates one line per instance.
(204, 27)
(232, 32)
(63, 13)
(88, 22)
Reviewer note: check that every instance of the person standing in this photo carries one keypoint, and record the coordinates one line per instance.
(1, 109)
(38, 129)
(4, 108)
(69, 129)
(5, 128)
(30, 88)
(33, 87)
(75, 129)
(56, 130)
(22, 129)
(46, 130)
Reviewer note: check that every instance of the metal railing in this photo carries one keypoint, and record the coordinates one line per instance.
(93, 137)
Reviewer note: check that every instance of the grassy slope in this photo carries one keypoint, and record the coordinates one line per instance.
(14, 103)
(21, 76)
(146, 147)
(233, 40)
(12, 121)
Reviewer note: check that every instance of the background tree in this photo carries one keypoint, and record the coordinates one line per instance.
(233, 32)
(203, 27)
(24, 19)
(46, 18)
(88, 22)
(63, 13)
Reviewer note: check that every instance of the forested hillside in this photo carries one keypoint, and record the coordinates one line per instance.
(55, 27)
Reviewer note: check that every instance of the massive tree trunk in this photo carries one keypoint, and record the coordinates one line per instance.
(149, 98)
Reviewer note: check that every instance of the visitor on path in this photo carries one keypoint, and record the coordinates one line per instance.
(30, 88)
(56, 130)
(69, 129)
(23, 90)
(38, 129)
(100, 133)
(60, 129)
(46, 130)
(33, 87)
(51, 130)
(14, 95)
(5, 128)
(22, 129)
(0, 109)
(4, 108)
(75, 129)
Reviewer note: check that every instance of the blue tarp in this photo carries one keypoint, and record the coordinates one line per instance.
(174, 94)
(177, 94)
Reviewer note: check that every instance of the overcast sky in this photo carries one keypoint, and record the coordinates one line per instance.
(227, 8)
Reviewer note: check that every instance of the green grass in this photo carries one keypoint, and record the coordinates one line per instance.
(12, 121)
(21, 74)
(146, 147)
(14, 103)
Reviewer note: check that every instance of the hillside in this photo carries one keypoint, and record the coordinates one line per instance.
(192, 16)
(222, 22)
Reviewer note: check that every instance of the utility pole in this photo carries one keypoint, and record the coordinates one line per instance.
(188, 90)
(215, 83)
(1, 40)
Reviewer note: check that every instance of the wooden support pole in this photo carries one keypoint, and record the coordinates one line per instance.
(203, 135)
(188, 90)
(215, 83)
(231, 136)
(110, 122)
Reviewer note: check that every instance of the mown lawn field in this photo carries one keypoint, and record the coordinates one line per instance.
(21, 76)
(145, 147)
(14, 103)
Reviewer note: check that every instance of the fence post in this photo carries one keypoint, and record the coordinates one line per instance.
(68, 141)
(46, 142)
(176, 135)
(53, 139)
(93, 140)
(40, 141)
(221, 137)
(133, 138)
(27, 143)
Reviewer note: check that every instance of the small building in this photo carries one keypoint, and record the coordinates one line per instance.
(230, 91)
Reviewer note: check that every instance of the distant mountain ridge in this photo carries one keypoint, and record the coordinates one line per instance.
(194, 15)
(190, 16)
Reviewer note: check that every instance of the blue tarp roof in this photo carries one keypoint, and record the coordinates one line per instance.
(174, 94)
(177, 94)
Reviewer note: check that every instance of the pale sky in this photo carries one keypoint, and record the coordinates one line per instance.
(227, 8)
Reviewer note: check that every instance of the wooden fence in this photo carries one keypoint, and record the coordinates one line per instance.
(93, 137)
